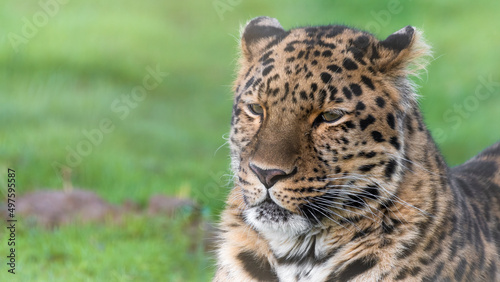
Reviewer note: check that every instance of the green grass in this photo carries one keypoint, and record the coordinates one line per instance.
(90, 53)
(121, 252)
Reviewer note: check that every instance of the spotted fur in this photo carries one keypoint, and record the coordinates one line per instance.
(337, 177)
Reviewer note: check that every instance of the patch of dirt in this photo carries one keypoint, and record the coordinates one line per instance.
(53, 208)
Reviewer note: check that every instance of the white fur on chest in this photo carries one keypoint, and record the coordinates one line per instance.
(303, 273)
(309, 250)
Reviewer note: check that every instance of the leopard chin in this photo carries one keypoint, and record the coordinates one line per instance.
(269, 217)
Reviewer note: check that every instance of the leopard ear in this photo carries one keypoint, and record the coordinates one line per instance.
(257, 34)
(403, 52)
(399, 40)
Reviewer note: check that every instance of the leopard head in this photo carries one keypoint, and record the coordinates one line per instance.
(317, 132)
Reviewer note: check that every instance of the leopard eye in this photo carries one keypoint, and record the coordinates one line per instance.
(256, 109)
(329, 117)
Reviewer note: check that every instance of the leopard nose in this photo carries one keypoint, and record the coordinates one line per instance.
(269, 177)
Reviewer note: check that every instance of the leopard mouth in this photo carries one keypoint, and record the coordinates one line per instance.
(270, 217)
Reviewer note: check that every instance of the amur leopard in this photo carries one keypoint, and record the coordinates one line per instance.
(337, 177)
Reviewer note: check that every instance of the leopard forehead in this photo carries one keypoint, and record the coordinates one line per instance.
(313, 68)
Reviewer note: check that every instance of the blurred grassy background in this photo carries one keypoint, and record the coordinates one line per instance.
(65, 76)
